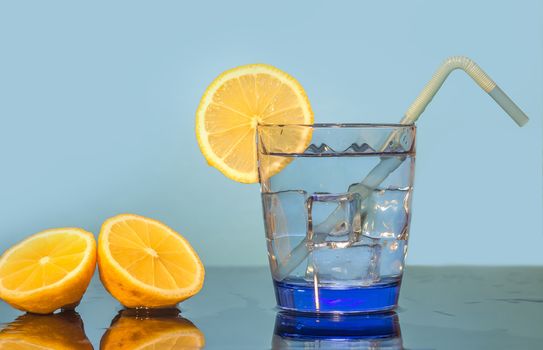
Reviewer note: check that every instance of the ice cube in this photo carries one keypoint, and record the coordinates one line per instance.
(355, 265)
(387, 214)
(333, 220)
(285, 213)
(392, 257)
(285, 218)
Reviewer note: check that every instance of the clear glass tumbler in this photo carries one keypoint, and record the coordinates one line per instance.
(336, 213)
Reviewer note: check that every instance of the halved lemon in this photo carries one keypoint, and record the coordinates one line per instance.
(144, 263)
(232, 107)
(49, 270)
(156, 332)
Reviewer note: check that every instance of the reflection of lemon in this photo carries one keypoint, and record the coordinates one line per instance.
(144, 263)
(158, 331)
(235, 103)
(48, 270)
(33, 332)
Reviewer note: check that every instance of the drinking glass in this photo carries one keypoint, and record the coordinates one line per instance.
(337, 211)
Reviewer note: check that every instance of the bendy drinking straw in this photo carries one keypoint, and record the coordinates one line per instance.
(387, 165)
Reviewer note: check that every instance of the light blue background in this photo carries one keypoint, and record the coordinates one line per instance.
(97, 104)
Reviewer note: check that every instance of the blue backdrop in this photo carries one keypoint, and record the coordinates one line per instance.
(97, 103)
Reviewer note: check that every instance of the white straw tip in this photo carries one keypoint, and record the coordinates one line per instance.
(509, 106)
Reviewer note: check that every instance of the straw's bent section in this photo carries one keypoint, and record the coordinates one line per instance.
(477, 74)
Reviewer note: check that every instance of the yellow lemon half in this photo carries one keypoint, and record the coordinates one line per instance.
(144, 263)
(232, 107)
(49, 270)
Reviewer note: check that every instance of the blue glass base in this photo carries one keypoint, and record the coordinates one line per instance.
(331, 299)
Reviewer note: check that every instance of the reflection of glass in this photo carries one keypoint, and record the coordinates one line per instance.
(152, 329)
(337, 215)
(63, 330)
(369, 331)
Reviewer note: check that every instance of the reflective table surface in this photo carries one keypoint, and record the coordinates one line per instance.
(440, 308)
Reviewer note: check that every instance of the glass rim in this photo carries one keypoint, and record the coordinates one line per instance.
(348, 130)
(344, 125)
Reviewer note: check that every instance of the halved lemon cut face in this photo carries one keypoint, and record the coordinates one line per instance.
(49, 270)
(144, 263)
(232, 107)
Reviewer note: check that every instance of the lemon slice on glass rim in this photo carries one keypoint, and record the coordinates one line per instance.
(232, 107)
